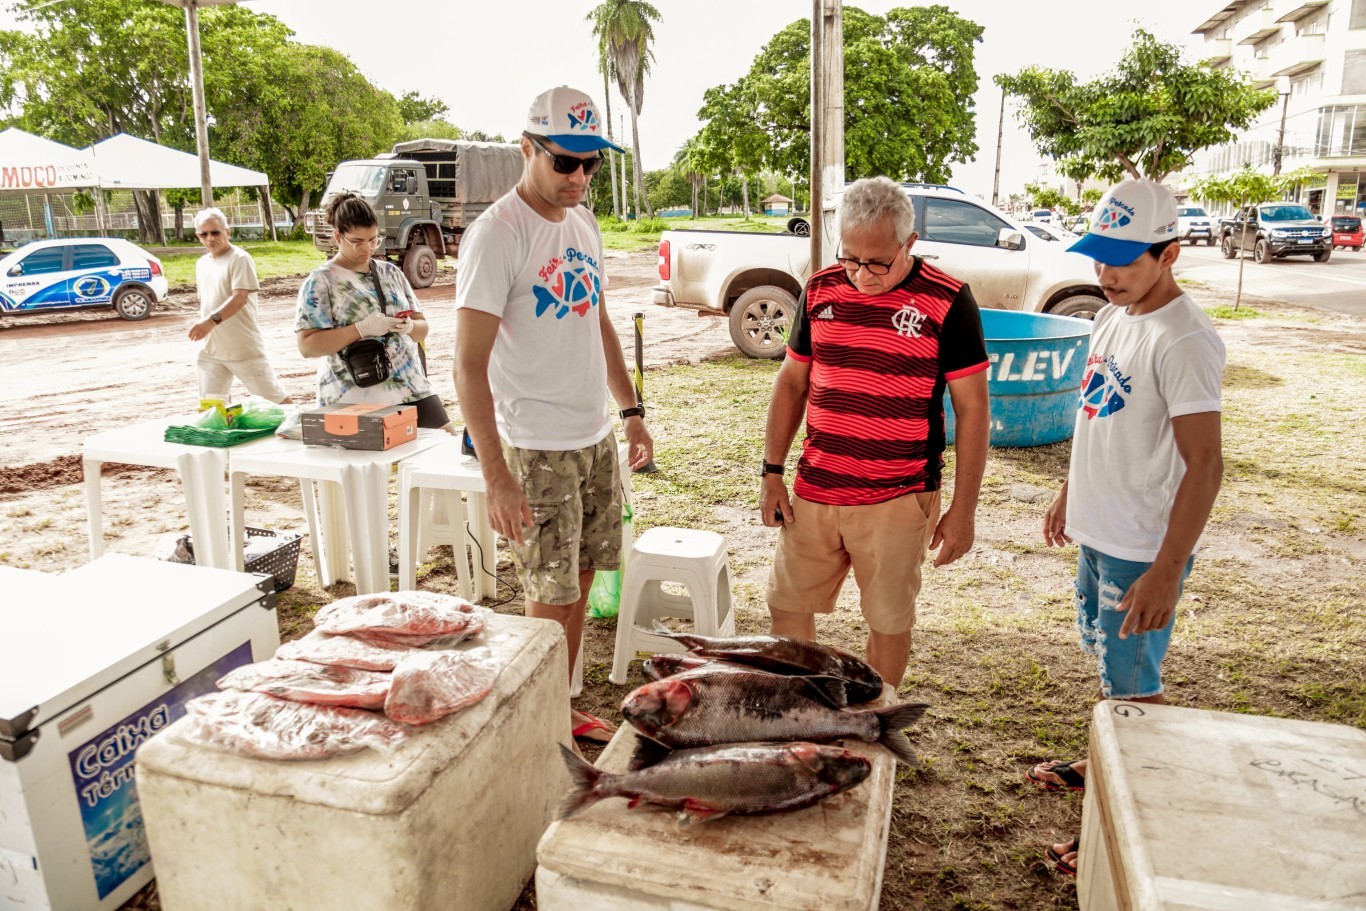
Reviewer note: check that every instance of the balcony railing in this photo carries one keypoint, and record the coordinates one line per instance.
(1257, 26)
(1218, 51)
(1296, 55)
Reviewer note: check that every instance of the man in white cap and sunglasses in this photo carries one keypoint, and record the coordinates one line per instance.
(536, 357)
(1146, 457)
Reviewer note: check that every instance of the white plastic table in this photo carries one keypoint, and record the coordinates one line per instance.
(357, 481)
(444, 468)
(201, 470)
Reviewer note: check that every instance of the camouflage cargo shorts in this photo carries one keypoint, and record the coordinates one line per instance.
(575, 498)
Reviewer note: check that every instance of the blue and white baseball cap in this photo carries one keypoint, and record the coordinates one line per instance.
(1130, 218)
(568, 118)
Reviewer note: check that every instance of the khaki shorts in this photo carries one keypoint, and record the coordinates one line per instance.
(215, 378)
(884, 544)
(575, 499)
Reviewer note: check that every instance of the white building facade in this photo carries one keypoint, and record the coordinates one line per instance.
(1314, 53)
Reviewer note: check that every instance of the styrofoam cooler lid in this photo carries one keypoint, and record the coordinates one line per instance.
(1216, 810)
(66, 637)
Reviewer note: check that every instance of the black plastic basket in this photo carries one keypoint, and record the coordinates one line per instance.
(282, 562)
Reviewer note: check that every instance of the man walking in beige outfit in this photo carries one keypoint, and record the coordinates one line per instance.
(227, 283)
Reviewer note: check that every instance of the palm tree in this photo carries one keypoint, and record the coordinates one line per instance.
(624, 29)
(605, 67)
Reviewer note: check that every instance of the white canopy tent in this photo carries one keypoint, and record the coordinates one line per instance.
(124, 162)
(32, 164)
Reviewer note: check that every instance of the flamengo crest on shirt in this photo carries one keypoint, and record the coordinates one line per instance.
(907, 321)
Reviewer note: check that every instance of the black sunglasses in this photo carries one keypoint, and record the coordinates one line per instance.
(207, 233)
(568, 164)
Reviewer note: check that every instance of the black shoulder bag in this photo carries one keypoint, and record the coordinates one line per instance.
(366, 359)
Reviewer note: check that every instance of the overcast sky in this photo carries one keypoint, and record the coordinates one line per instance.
(487, 60)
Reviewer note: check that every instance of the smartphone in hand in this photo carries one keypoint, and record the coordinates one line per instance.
(404, 314)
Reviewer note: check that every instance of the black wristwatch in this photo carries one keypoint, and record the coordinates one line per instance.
(635, 411)
(770, 468)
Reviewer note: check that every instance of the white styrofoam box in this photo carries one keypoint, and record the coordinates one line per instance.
(448, 820)
(1211, 811)
(95, 661)
(828, 857)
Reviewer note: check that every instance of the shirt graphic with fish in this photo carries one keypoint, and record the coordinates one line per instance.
(569, 284)
(1103, 387)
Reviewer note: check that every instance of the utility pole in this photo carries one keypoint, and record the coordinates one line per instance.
(827, 119)
(1279, 152)
(1000, 132)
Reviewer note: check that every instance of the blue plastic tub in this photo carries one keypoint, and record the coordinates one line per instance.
(1037, 361)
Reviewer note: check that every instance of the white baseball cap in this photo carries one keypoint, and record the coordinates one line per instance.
(1131, 217)
(568, 118)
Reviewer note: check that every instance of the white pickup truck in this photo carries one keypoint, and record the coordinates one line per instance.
(757, 278)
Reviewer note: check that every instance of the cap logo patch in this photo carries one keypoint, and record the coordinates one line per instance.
(1112, 218)
(583, 117)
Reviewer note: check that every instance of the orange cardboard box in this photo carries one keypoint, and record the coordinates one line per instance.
(360, 426)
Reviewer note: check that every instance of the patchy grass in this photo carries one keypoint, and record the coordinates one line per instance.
(1224, 311)
(631, 236)
(273, 259)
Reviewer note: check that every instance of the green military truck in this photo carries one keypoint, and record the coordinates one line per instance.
(426, 192)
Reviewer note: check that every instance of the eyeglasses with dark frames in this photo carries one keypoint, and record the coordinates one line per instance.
(873, 266)
(568, 164)
(207, 233)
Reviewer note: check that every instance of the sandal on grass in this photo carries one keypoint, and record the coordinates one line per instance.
(1056, 859)
(594, 729)
(1072, 780)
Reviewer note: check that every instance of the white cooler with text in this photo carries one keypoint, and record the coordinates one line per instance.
(92, 663)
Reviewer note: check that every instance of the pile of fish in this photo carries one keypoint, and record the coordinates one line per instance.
(372, 665)
(742, 725)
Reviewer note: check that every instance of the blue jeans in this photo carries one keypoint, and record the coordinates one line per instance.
(1129, 668)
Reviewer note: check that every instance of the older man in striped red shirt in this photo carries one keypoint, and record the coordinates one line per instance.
(876, 341)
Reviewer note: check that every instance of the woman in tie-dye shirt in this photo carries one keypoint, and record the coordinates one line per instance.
(338, 306)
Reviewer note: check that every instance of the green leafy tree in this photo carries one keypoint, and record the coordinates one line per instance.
(101, 67)
(1147, 118)
(413, 108)
(1045, 197)
(1091, 196)
(625, 28)
(1244, 188)
(909, 80)
(430, 129)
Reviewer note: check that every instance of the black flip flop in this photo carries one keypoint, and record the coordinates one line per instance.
(1056, 860)
(1072, 780)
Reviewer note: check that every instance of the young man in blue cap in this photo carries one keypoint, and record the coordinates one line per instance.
(536, 357)
(1146, 457)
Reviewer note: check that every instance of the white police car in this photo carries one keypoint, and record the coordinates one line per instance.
(78, 273)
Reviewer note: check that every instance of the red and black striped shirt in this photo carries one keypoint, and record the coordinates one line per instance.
(879, 366)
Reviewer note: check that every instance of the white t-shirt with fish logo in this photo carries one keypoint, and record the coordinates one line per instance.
(544, 280)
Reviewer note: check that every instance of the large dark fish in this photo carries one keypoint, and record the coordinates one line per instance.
(703, 709)
(786, 655)
(833, 690)
(712, 782)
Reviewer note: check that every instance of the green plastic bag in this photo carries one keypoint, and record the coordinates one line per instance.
(604, 596)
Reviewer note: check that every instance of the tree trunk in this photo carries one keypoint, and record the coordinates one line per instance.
(637, 173)
(148, 208)
(1242, 259)
(303, 214)
(744, 189)
(611, 171)
(179, 222)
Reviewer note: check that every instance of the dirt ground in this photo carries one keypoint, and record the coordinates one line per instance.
(966, 834)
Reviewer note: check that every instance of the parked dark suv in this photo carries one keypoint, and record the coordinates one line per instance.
(1274, 230)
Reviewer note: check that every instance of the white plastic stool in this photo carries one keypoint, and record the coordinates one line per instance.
(694, 559)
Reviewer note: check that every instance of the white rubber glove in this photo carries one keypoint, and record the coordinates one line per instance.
(376, 324)
(404, 326)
